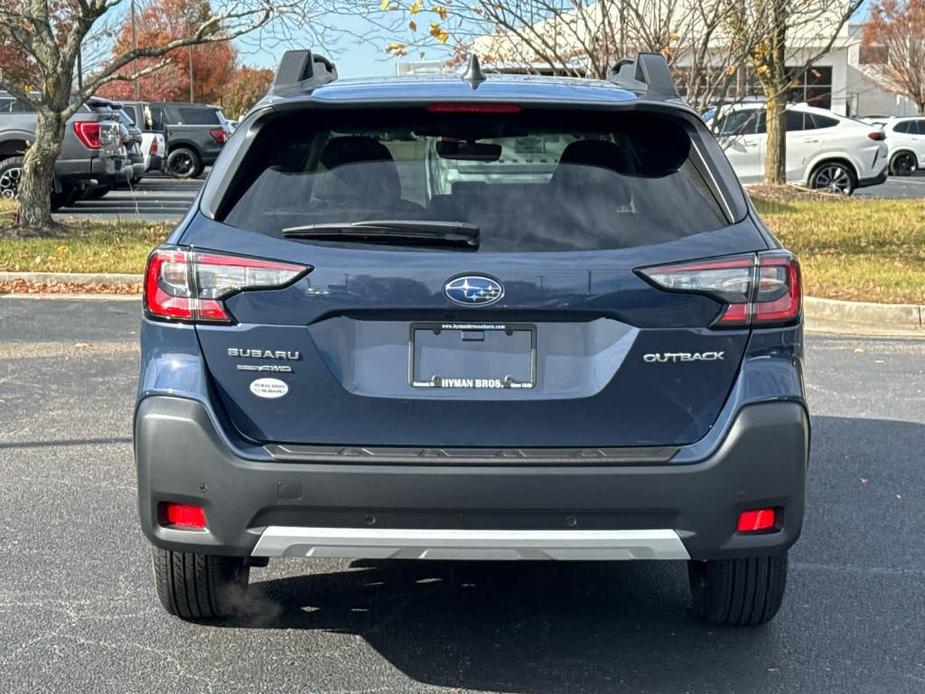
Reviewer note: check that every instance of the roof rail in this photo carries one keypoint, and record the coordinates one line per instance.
(647, 74)
(302, 71)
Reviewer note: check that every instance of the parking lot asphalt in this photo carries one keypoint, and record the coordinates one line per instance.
(79, 611)
(164, 198)
(156, 198)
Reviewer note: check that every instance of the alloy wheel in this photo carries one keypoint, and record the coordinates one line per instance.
(181, 164)
(903, 164)
(834, 178)
(9, 182)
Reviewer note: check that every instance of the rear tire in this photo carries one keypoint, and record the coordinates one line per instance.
(65, 198)
(738, 592)
(833, 177)
(199, 587)
(183, 162)
(903, 164)
(96, 193)
(10, 177)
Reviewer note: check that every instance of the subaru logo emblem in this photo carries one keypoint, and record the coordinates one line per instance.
(473, 290)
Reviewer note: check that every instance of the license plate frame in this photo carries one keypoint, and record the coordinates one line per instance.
(474, 333)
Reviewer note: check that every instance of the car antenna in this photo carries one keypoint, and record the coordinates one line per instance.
(473, 74)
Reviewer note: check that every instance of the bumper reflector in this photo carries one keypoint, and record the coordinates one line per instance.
(756, 519)
(182, 516)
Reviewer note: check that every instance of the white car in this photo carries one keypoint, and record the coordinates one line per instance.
(154, 149)
(905, 138)
(824, 151)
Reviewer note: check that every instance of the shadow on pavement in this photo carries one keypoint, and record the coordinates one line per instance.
(512, 627)
(525, 627)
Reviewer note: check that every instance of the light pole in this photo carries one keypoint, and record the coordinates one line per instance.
(189, 49)
(134, 48)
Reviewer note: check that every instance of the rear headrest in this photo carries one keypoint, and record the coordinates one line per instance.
(351, 149)
(588, 165)
(377, 182)
(600, 153)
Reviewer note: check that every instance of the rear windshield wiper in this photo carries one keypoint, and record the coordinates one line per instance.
(398, 231)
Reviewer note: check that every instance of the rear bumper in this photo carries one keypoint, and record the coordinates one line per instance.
(88, 170)
(497, 511)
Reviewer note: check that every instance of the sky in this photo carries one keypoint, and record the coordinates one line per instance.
(354, 57)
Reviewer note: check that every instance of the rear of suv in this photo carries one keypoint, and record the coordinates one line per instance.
(487, 318)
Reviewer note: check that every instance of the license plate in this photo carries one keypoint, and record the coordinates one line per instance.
(472, 356)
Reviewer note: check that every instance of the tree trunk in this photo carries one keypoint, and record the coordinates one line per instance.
(37, 184)
(775, 90)
(775, 158)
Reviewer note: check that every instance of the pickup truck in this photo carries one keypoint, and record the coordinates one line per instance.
(153, 142)
(91, 151)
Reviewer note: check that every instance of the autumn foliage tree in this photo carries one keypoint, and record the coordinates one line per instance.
(160, 22)
(896, 31)
(247, 86)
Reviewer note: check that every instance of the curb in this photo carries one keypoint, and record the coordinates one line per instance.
(819, 313)
(863, 316)
(73, 279)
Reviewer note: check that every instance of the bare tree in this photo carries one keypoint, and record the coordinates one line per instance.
(787, 37)
(46, 37)
(712, 45)
(575, 38)
(896, 33)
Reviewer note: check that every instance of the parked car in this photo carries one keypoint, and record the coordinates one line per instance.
(196, 134)
(153, 142)
(906, 140)
(601, 361)
(91, 150)
(824, 151)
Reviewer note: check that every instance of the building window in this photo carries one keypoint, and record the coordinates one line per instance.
(812, 85)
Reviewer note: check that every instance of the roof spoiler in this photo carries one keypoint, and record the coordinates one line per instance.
(302, 71)
(647, 74)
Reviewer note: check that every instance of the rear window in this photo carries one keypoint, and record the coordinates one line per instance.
(530, 181)
(197, 116)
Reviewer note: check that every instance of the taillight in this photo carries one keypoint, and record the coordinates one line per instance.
(878, 135)
(760, 290)
(88, 133)
(474, 108)
(191, 286)
(152, 150)
(219, 135)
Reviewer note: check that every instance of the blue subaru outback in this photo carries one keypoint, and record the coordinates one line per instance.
(472, 317)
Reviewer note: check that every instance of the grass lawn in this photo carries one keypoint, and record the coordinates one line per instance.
(89, 247)
(856, 249)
